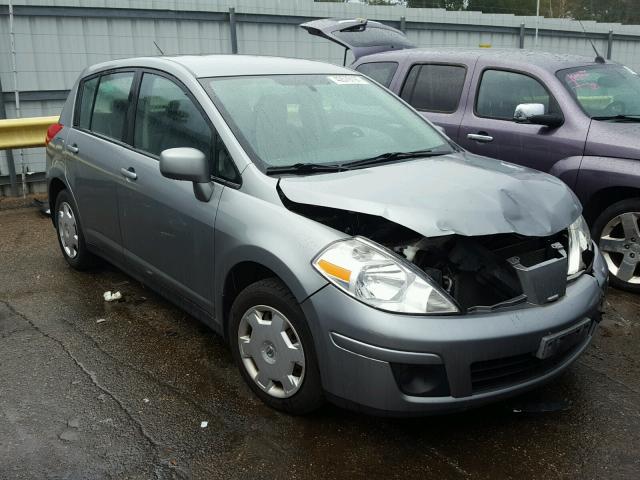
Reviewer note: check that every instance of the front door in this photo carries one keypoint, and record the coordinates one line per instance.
(167, 232)
(488, 127)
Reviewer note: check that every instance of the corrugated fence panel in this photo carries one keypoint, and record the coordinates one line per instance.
(56, 39)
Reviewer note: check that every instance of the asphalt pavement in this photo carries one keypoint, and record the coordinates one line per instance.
(90, 389)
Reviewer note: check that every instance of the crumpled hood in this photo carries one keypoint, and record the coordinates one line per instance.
(458, 193)
(613, 139)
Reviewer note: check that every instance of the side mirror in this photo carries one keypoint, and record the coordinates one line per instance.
(525, 111)
(533, 113)
(190, 165)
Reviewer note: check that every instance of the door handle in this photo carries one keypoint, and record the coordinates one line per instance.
(73, 148)
(129, 173)
(480, 137)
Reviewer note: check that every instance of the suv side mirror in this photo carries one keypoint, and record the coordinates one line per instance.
(190, 165)
(534, 113)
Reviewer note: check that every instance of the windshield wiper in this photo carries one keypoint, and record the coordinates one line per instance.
(630, 118)
(391, 156)
(306, 168)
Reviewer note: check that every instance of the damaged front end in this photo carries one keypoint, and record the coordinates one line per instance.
(394, 268)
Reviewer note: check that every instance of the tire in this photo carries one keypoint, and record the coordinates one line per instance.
(260, 318)
(617, 232)
(70, 236)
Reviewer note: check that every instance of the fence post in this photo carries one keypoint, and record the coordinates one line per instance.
(609, 44)
(232, 30)
(403, 24)
(522, 35)
(13, 179)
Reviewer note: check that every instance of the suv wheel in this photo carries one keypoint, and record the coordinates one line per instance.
(618, 232)
(70, 235)
(272, 345)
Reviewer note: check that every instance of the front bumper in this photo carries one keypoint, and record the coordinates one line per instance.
(359, 348)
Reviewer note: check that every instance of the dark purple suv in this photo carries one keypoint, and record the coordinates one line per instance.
(575, 117)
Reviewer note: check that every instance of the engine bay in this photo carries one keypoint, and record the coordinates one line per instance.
(480, 273)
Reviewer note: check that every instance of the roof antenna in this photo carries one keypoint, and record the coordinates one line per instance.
(160, 50)
(599, 58)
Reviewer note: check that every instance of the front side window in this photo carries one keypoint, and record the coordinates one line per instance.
(87, 95)
(381, 72)
(167, 118)
(501, 92)
(604, 90)
(434, 87)
(109, 116)
(284, 120)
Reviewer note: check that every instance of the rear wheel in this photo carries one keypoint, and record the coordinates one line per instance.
(617, 230)
(70, 235)
(273, 347)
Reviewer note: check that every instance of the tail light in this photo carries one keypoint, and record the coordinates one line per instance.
(52, 131)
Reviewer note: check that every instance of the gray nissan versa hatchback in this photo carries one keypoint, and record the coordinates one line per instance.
(344, 246)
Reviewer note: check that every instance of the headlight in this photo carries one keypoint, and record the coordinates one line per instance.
(378, 277)
(579, 242)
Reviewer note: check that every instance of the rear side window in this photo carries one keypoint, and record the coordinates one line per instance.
(501, 92)
(381, 72)
(87, 95)
(167, 118)
(109, 116)
(434, 87)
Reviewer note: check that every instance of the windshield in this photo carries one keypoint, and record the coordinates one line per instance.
(604, 90)
(284, 120)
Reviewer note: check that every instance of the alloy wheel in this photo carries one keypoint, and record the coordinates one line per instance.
(271, 351)
(620, 246)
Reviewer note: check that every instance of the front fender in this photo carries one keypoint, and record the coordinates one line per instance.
(599, 173)
(250, 229)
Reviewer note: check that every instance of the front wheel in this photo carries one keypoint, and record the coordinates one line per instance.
(617, 231)
(273, 347)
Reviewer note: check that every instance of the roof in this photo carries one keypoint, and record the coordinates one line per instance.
(501, 56)
(229, 65)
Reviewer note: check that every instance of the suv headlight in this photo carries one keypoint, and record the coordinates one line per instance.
(378, 277)
(579, 242)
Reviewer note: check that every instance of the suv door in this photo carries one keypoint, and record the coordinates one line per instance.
(437, 90)
(167, 232)
(488, 127)
(96, 150)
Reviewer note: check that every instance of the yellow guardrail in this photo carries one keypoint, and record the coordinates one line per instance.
(24, 132)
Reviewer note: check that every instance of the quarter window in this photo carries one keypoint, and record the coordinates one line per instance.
(109, 116)
(167, 118)
(381, 72)
(501, 92)
(434, 87)
(87, 95)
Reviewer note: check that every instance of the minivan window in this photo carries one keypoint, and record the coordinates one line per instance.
(434, 87)
(604, 90)
(381, 72)
(167, 118)
(289, 119)
(87, 95)
(502, 91)
(109, 115)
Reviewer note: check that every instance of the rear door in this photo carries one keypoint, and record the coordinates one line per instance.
(438, 91)
(488, 127)
(362, 37)
(167, 232)
(96, 150)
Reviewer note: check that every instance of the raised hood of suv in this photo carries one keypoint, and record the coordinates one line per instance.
(453, 194)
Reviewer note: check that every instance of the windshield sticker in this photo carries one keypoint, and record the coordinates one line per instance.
(348, 80)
